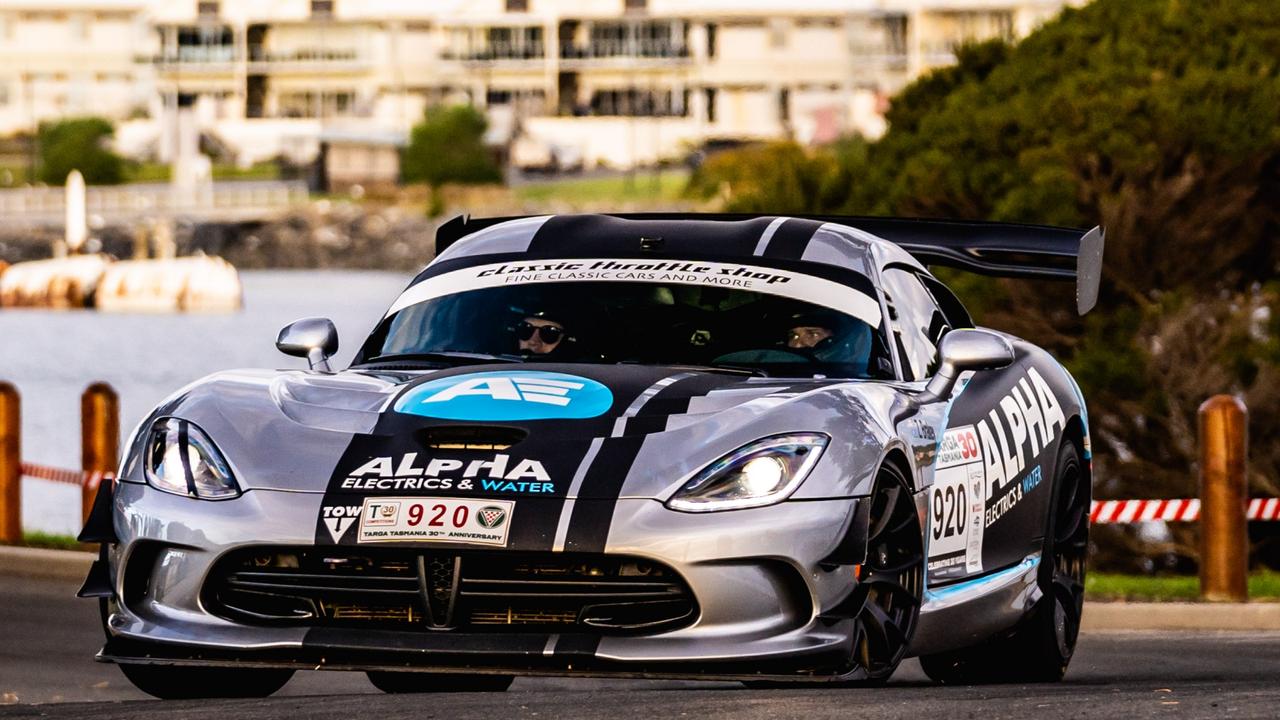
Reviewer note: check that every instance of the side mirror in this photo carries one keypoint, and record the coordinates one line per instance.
(315, 339)
(962, 350)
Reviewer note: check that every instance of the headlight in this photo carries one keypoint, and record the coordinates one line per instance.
(762, 473)
(182, 460)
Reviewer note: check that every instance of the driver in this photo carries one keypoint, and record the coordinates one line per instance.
(538, 334)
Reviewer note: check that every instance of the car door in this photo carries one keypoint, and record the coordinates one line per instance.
(921, 311)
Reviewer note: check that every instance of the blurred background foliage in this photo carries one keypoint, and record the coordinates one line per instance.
(1158, 119)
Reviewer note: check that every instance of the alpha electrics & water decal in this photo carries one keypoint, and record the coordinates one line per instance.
(496, 473)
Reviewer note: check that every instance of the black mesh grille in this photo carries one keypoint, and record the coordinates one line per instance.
(480, 591)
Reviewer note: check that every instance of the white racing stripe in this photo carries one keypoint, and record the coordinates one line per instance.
(767, 235)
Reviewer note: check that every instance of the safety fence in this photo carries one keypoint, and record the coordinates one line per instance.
(1183, 510)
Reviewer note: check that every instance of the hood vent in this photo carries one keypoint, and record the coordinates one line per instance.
(471, 437)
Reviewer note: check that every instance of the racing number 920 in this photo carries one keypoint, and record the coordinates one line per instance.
(417, 512)
(948, 511)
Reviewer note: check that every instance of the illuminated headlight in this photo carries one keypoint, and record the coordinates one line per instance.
(762, 473)
(182, 460)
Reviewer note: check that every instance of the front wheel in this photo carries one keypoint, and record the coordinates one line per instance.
(170, 682)
(415, 682)
(1040, 647)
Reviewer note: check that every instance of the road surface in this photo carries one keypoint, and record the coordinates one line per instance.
(48, 637)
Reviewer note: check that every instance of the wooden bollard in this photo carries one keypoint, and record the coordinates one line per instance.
(99, 439)
(1224, 544)
(10, 465)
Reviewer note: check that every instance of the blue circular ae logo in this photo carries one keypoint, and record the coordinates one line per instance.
(507, 395)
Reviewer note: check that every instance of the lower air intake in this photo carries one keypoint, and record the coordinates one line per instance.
(471, 591)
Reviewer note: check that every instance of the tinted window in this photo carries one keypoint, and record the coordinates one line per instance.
(915, 322)
(637, 322)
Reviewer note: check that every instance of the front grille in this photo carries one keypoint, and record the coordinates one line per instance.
(475, 591)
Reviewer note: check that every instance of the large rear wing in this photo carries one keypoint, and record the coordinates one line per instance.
(996, 249)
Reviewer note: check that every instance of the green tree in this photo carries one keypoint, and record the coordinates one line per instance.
(1158, 119)
(448, 147)
(78, 144)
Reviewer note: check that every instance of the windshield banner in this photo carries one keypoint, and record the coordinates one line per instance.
(737, 276)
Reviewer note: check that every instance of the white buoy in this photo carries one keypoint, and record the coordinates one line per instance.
(77, 218)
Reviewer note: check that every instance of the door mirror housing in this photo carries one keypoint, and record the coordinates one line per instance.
(962, 350)
(315, 339)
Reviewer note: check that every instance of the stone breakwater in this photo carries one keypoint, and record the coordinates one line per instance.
(321, 235)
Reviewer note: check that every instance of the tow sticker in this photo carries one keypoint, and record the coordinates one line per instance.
(454, 520)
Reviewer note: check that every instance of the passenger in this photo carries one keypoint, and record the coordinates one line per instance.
(807, 337)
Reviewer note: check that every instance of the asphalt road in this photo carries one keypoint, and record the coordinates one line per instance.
(48, 638)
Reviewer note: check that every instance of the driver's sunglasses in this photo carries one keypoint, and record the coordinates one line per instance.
(550, 334)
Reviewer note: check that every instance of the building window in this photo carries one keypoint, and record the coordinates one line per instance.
(633, 102)
(784, 105)
(895, 34)
(322, 8)
(208, 9)
(517, 5)
(711, 41)
(635, 5)
(710, 94)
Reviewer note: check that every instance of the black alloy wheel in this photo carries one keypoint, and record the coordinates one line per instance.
(1062, 577)
(891, 581)
(418, 682)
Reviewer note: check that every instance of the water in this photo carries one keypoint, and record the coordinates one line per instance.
(52, 356)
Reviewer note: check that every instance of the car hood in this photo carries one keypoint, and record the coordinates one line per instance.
(550, 430)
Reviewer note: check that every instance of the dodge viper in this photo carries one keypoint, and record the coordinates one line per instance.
(764, 449)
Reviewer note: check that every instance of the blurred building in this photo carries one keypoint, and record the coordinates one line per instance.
(62, 58)
(615, 82)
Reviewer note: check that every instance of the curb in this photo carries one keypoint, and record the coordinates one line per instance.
(1112, 616)
(43, 563)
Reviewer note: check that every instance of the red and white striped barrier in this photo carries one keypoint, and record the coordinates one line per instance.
(79, 478)
(1184, 510)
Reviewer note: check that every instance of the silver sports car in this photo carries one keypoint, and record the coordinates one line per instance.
(770, 449)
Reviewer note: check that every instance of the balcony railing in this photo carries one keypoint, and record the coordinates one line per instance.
(498, 52)
(624, 48)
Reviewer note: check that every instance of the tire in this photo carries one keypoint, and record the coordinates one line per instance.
(885, 604)
(1040, 647)
(170, 682)
(416, 682)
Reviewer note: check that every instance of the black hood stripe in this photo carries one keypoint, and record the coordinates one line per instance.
(593, 515)
(566, 512)
(618, 455)
(620, 425)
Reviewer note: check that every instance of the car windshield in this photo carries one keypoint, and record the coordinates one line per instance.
(654, 322)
